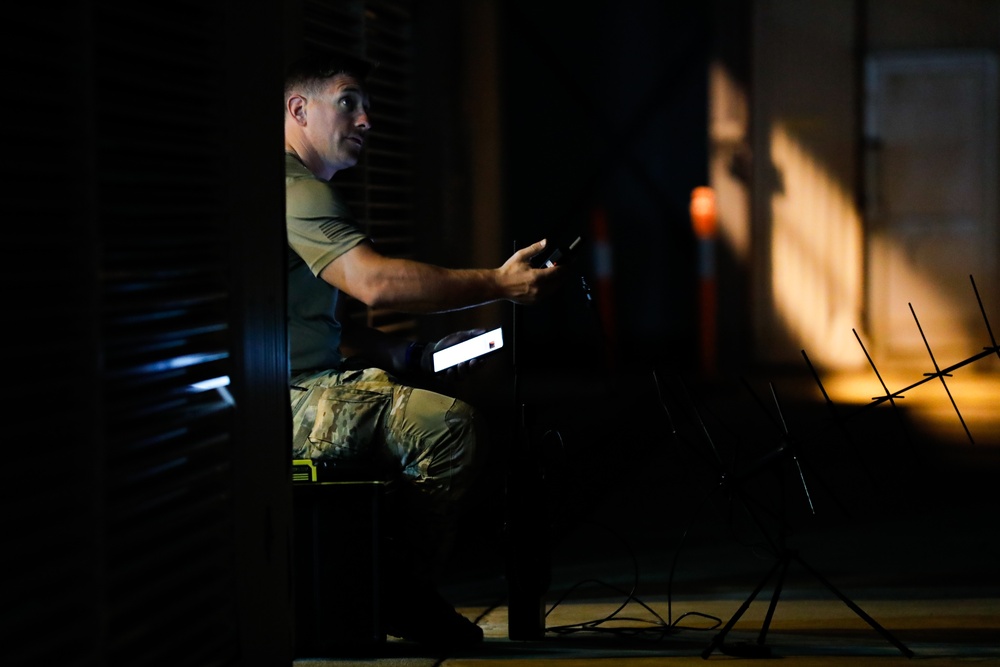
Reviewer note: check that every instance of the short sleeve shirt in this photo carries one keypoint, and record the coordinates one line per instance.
(320, 228)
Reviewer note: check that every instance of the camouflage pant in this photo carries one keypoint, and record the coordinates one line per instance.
(425, 439)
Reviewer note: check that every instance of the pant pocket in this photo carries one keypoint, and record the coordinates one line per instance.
(347, 423)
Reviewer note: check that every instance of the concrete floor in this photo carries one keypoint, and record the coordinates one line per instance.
(657, 532)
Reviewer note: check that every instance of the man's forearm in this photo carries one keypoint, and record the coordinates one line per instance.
(414, 287)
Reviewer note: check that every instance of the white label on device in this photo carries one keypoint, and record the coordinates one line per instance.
(468, 349)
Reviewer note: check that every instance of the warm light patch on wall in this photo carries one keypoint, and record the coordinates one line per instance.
(816, 256)
(948, 314)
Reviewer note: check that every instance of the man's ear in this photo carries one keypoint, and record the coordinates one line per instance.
(295, 105)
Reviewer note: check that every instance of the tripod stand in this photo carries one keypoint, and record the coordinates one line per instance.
(786, 450)
(526, 527)
(782, 561)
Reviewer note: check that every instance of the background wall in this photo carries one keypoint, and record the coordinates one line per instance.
(811, 260)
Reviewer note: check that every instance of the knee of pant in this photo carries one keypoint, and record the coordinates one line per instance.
(440, 451)
(451, 455)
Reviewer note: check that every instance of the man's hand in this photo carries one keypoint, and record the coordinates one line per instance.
(458, 370)
(525, 284)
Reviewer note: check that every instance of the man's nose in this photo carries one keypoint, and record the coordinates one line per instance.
(363, 121)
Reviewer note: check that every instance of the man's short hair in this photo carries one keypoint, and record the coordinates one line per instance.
(314, 69)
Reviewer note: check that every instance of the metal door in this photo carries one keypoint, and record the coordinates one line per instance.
(931, 201)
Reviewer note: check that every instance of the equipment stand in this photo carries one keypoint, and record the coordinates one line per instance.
(526, 533)
(527, 529)
(760, 650)
(786, 450)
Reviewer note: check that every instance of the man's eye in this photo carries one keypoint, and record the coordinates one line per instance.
(349, 103)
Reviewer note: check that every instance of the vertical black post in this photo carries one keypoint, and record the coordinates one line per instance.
(526, 533)
(528, 560)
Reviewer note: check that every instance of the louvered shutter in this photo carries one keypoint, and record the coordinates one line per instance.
(127, 305)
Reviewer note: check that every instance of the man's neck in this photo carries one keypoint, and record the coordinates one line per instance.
(310, 159)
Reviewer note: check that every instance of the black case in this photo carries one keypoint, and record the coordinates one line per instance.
(337, 560)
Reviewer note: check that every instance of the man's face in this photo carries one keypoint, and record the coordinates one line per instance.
(338, 122)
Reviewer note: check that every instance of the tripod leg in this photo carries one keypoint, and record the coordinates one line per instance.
(856, 609)
(774, 599)
(721, 636)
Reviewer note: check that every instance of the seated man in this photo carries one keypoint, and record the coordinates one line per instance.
(348, 410)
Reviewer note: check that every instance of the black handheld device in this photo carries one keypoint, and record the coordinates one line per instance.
(561, 254)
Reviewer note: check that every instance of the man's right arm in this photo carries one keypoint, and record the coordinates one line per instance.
(416, 287)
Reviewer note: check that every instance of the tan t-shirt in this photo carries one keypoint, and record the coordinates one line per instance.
(320, 229)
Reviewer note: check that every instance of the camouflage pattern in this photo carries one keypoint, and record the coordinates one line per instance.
(336, 415)
(425, 438)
